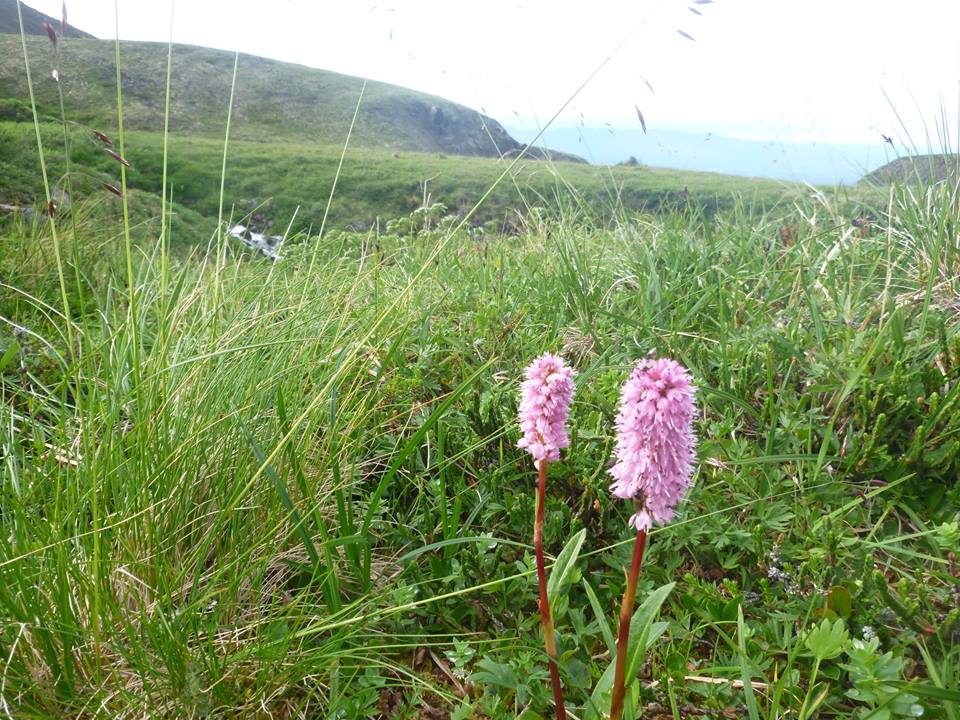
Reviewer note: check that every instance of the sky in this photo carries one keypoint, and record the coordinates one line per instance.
(817, 71)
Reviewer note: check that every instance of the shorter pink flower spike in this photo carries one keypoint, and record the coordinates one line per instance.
(655, 440)
(545, 397)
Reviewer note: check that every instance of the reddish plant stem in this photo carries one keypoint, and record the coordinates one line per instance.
(626, 614)
(549, 640)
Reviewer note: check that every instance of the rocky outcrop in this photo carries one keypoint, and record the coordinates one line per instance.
(449, 128)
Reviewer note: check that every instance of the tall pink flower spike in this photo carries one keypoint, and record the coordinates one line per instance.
(655, 449)
(545, 397)
(655, 440)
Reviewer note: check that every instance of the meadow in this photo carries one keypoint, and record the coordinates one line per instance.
(287, 127)
(286, 183)
(231, 487)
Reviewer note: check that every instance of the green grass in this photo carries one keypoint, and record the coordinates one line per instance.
(269, 493)
(273, 179)
(235, 488)
(286, 144)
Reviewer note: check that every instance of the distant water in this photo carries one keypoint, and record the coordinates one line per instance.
(814, 163)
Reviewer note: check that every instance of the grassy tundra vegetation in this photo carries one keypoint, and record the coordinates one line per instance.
(232, 487)
(279, 181)
(285, 146)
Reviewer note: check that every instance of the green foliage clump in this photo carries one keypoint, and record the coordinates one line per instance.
(326, 454)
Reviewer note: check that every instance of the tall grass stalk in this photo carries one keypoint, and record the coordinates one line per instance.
(221, 239)
(164, 205)
(68, 174)
(46, 190)
(336, 176)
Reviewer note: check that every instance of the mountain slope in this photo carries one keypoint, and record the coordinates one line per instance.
(274, 100)
(32, 21)
(923, 168)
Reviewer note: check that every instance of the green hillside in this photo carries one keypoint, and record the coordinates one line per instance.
(287, 131)
(922, 169)
(274, 100)
(32, 21)
(241, 490)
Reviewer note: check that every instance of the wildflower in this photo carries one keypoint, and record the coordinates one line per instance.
(545, 397)
(654, 452)
(655, 440)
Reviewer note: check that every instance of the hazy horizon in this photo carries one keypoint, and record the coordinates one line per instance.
(681, 148)
(742, 70)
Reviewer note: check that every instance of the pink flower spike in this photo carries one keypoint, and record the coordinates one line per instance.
(655, 440)
(545, 397)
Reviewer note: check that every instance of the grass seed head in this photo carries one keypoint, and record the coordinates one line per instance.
(116, 156)
(114, 189)
(51, 33)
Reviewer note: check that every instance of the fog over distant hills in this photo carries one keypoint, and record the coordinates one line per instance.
(812, 162)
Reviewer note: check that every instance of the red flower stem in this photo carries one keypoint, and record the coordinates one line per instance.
(549, 640)
(626, 614)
